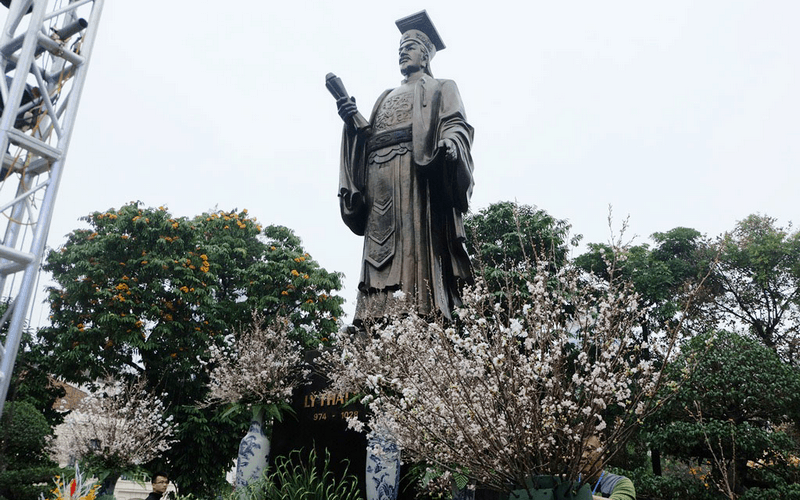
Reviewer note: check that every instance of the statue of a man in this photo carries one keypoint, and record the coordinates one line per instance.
(405, 183)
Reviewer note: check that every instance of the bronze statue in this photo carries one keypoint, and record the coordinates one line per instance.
(406, 181)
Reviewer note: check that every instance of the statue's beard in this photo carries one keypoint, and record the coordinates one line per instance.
(406, 71)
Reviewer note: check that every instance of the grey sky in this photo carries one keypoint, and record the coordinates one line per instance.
(679, 113)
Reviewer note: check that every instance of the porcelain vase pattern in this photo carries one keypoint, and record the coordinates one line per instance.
(253, 452)
(383, 469)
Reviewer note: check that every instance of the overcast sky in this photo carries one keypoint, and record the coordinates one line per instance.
(677, 113)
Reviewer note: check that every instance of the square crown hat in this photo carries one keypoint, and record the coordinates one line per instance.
(420, 24)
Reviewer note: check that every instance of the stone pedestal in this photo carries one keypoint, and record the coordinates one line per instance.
(320, 424)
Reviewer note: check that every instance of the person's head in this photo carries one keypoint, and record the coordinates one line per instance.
(160, 482)
(592, 454)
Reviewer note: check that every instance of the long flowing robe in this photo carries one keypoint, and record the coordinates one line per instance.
(408, 201)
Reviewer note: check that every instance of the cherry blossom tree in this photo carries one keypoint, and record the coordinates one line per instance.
(512, 390)
(261, 365)
(115, 429)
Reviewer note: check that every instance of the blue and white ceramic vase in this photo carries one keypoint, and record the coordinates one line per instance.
(383, 469)
(253, 452)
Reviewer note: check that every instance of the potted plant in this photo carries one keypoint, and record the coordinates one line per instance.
(257, 368)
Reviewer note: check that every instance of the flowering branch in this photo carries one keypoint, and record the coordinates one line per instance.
(118, 427)
(261, 365)
(508, 390)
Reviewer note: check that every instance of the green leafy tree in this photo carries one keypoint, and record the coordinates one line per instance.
(757, 279)
(32, 380)
(506, 240)
(736, 407)
(667, 277)
(24, 436)
(24, 462)
(26, 424)
(144, 293)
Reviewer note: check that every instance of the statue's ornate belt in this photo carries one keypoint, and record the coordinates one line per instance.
(390, 138)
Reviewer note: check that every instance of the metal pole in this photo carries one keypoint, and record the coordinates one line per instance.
(36, 147)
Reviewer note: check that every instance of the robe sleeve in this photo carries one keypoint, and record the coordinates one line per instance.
(353, 173)
(439, 114)
(452, 180)
(351, 181)
(453, 125)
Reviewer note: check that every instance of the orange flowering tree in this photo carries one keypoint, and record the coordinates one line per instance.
(146, 293)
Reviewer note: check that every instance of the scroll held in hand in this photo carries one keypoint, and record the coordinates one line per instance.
(336, 88)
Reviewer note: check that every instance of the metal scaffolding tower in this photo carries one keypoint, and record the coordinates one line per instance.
(45, 49)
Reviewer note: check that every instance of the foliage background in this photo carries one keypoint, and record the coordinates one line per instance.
(143, 293)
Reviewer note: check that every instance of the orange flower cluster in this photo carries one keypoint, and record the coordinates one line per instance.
(241, 222)
(204, 267)
(700, 474)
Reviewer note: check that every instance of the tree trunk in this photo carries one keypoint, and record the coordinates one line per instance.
(655, 458)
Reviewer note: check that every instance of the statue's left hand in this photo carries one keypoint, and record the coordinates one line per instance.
(451, 153)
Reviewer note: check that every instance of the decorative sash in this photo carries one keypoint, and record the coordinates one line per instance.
(390, 138)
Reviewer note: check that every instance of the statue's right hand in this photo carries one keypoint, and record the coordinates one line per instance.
(346, 107)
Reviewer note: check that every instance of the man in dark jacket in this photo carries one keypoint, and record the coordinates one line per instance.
(159, 482)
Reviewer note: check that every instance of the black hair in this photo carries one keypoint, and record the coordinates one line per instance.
(159, 474)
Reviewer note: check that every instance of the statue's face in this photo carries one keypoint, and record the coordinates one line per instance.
(160, 484)
(412, 57)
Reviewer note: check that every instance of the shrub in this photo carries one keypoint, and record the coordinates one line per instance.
(27, 484)
(298, 478)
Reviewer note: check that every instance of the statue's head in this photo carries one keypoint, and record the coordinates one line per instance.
(415, 55)
(418, 44)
